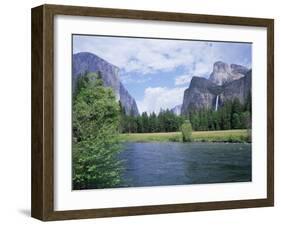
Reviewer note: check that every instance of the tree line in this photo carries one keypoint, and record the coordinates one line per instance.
(165, 121)
(232, 115)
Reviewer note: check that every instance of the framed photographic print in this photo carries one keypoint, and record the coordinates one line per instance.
(141, 112)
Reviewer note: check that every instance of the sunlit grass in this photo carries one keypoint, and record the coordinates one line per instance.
(239, 136)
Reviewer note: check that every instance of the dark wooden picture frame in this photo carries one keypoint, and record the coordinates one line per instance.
(42, 204)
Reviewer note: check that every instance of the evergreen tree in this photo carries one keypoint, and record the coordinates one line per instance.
(145, 122)
(153, 123)
(236, 123)
(232, 115)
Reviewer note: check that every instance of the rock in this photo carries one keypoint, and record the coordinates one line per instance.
(203, 93)
(128, 102)
(238, 89)
(235, 69)
(223, 73)
(88, 62)
(200, 94)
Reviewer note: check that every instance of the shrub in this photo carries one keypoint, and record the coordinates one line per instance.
(186, 130)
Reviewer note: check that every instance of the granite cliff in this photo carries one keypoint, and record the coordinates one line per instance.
(88, 62)
(224, 73)
(225, 83)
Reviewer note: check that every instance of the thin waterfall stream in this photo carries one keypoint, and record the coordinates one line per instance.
(217, 102)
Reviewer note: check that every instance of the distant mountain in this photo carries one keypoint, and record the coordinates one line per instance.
(88, 62)
(177, 109)
(225, 83)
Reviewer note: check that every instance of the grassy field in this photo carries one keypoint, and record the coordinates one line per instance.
(239, 136)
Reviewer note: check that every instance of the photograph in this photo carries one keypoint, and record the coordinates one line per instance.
(160, 112)
(138, 112)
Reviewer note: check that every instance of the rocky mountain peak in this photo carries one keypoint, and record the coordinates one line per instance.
(226, 82)
(235, 68)
(220, 66)
(221, 73)
(224, 73)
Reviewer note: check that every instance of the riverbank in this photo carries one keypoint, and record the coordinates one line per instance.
(232, 136)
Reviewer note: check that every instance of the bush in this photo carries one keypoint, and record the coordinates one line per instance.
(186, 130)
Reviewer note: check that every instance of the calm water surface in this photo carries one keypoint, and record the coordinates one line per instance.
(171, 163)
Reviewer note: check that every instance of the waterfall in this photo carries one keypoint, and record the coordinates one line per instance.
(217, 102)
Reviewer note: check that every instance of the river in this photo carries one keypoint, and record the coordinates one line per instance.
(175, 163)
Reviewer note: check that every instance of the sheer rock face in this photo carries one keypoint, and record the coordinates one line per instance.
(128, 102)
(223, 73)
(201, 94)
(235, 68)
(240, 88)
(88, 62)
(226, 82)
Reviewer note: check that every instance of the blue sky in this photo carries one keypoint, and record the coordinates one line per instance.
(157, 71)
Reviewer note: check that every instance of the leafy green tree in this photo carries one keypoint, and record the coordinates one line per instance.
(95, 135)
(186, 130)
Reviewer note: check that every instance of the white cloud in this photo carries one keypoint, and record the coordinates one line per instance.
(203, 68)
(200, 69)
(138, 55)
(146, 56)
(182, 80)
(157, 98)
(139, 58)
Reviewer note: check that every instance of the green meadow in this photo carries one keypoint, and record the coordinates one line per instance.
(232, 136)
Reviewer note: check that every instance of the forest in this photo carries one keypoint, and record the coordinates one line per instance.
(232, 115)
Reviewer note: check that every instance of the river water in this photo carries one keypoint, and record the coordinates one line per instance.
(175, 163)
